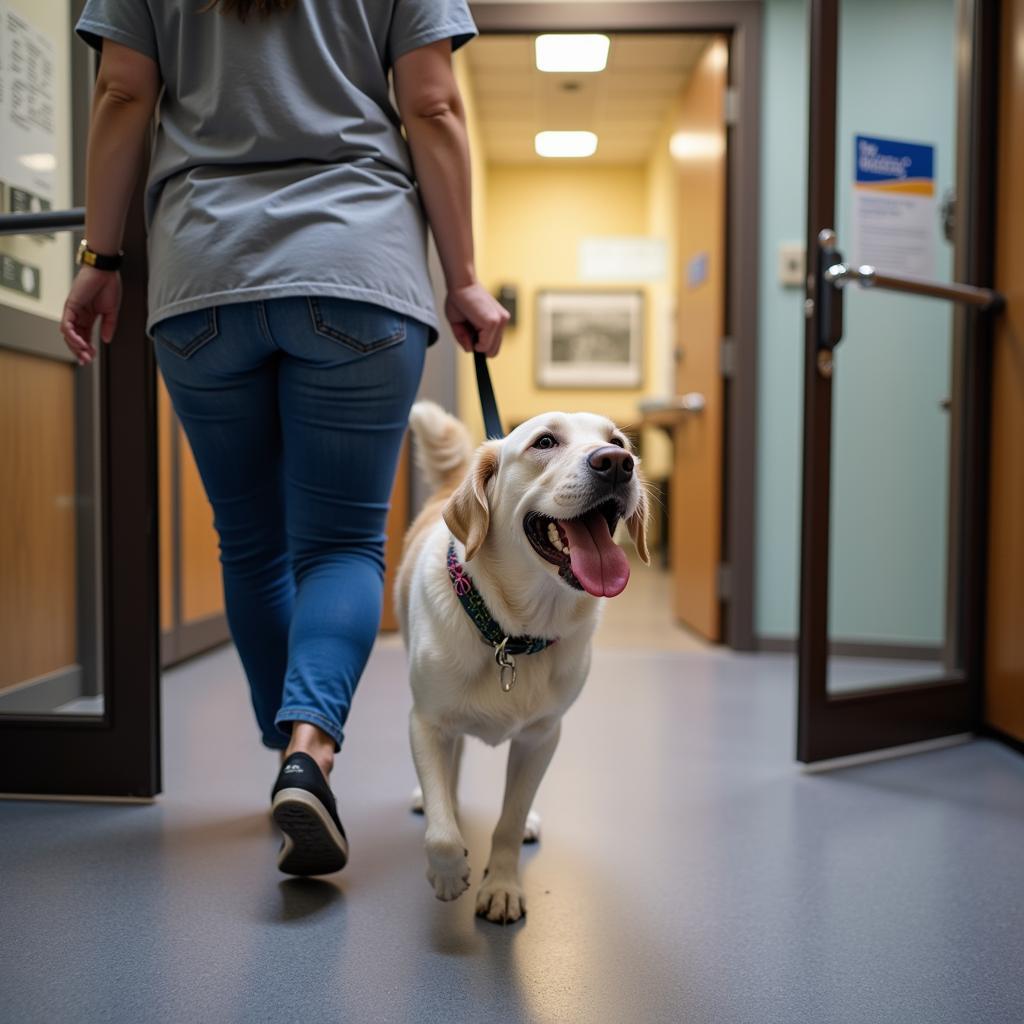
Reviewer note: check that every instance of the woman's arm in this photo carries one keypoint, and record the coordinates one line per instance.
(435, 124)
(127, 88)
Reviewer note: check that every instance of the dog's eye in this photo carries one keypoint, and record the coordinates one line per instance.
(545, 441)
(618, 441)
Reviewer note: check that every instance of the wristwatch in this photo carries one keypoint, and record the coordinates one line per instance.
(91, 258)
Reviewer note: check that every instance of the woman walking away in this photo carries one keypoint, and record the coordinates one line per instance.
(291, 310)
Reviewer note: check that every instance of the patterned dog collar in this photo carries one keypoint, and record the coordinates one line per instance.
(470, 599)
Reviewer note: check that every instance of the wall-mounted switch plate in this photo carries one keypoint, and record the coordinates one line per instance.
(792, 264)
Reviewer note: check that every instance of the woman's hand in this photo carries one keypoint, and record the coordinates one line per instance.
(477, 318)
(94, 293)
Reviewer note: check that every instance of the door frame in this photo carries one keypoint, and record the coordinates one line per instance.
(740, 21)
(841, 725)
(117, 754)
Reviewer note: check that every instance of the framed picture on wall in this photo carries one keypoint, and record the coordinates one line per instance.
(590, 339)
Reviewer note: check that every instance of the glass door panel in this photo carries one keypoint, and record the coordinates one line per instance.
(892, 381)
(889, 579)
(49, 624)
(79, 682)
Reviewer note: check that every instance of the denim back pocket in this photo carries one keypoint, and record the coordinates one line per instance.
(186, 333)
(359, 326)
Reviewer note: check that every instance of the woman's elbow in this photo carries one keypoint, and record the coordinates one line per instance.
(127, 79)
(433, 110)
(117, 94)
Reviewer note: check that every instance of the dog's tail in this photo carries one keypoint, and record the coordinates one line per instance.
(443, 449)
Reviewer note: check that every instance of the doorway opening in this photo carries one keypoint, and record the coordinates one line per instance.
(620, 266)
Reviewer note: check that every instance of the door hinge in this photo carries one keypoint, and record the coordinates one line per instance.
(731, 106)
(723, 581)
(727, 357)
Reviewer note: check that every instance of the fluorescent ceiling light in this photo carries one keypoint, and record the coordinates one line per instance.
(565, 143)
(576, 52)
(696, 145)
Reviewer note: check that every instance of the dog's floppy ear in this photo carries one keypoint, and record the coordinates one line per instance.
(636, 524)
(467, 513)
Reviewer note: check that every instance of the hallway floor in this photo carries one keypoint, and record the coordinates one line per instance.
(688, 872)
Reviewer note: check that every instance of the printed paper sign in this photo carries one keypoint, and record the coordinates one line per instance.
(28, 107)
(621, 257)
(895, 211)
(35, 150)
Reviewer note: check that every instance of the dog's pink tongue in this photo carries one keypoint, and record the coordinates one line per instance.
(597, 561)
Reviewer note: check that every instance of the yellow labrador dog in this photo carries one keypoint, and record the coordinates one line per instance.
(497, 595)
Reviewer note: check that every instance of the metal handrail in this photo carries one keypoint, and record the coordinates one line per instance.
(44, 223)
(867, 276)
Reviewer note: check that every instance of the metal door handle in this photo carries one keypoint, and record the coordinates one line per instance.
(840, 274)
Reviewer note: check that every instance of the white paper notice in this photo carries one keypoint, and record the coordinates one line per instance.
(895, 210)
(27, 103)
(621, 258)
(35, 270)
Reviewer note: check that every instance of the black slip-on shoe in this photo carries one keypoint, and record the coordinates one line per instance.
(304, 809)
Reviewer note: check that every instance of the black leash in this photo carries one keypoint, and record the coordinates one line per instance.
(492, 421)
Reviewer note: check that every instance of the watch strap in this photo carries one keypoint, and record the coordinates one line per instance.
(90, 258)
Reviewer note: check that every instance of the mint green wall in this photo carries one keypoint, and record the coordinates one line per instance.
(890, 447)
(896, 75)
(780, 318)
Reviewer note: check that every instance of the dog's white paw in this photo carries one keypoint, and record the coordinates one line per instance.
(447, 869)
(501, 900)
(531, 834)
(416, 801)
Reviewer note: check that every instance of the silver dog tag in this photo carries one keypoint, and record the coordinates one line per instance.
(506, 666)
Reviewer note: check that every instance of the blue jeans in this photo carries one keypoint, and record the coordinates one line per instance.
(295, 410)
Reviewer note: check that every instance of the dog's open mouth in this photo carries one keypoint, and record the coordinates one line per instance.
(582, 548)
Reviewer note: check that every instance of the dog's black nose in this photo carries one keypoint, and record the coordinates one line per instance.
(611, 463)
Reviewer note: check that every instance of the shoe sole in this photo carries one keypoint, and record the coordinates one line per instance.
(312, 843)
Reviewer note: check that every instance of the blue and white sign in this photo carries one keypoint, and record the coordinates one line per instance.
(895, 212)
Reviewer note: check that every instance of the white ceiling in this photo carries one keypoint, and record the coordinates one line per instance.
(626, 104)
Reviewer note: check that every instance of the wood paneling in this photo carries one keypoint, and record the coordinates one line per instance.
(699, 148)
(398, 521)
(1004, 647)
(202, 591)
(166, 423)
(201, 582)
(37, 517)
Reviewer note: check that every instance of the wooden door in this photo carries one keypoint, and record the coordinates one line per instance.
(1004, 641)
(192, 617)
(398, 522)
(38, 587)
(699, 149)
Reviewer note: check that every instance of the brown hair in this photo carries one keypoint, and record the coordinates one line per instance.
(243, 8)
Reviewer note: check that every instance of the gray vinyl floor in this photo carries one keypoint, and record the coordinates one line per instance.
(688, 872)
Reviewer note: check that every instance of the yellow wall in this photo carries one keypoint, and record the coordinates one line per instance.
(662, 214)
(533, 221)
(528, 223)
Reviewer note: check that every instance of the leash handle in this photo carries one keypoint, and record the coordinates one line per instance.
(488, 404)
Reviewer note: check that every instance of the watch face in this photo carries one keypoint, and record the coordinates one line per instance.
(87, 257)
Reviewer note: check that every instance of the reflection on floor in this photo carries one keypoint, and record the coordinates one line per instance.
(688, 872)
(81, 706)
(641, 616)
(846, 675)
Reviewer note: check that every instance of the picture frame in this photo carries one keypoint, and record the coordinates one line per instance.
(589, 339)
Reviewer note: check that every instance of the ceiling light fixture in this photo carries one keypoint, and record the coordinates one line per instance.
(572, 52)
(694, 146)
(565, 144)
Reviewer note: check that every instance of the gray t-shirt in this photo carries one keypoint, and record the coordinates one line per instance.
(279, 166)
